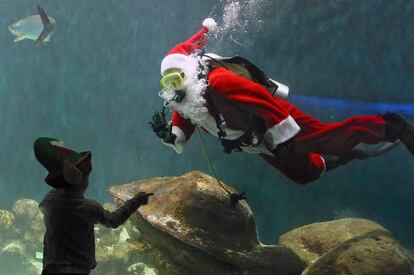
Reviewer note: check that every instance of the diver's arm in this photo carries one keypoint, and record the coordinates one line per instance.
(181, 131)
(254, 98)
(120, 215)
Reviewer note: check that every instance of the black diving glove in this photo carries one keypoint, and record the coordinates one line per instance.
(161, 128)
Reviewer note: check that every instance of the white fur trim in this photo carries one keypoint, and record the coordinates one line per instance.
(210, 24)
(281, 132)
(175, 60)
(180, 140)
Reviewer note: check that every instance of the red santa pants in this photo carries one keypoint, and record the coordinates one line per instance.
(316, 138)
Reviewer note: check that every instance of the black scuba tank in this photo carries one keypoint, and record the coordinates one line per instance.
(243, 67)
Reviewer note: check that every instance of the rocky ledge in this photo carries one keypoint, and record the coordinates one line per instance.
(190, 227)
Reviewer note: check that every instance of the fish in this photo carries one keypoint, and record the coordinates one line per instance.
(36, 27)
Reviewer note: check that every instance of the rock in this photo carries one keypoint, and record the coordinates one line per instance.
(28, 225)
(114, 253)
(191, 222)
(105, 234)
(25, 210)
(348, 246)
(6, 223)
(37, 224)
(34, 233)
(312, 241)
(375, 253)
(112, 259)
(141, 269)
(108, 236)
(133, 232)
(33, 266)
(6, 219)
(12, 255)
(15, 249)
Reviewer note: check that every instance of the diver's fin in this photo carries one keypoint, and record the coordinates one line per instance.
(386, 147)
(19, 38)
(332, 162)
(43, 16)
(383, 147)
(42, 36)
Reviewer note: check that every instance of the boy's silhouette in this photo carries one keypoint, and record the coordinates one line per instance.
(69, 242)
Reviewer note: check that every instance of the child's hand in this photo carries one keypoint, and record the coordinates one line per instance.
(142, 197)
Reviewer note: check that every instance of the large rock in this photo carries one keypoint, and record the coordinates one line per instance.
(375, 253)
(312, 241)
(112, 259)
(348, 246)
(12, 256)
(7, 221)
(191, 221)
(25, 210)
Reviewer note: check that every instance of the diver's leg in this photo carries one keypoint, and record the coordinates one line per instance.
(301, 168)
(339, 138)
(336, 138)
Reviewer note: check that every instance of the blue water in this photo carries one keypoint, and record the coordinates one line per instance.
(95, 86)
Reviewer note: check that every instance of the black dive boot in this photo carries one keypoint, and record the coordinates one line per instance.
(397, 127)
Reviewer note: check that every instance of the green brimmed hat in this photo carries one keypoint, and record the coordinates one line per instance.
(51, 154)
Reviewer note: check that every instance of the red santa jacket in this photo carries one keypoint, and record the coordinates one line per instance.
(239, 98)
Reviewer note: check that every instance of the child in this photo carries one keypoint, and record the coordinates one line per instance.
(69, 242)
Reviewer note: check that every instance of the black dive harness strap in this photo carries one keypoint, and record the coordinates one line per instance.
(228, 145)
(218, 117)
(250, 137)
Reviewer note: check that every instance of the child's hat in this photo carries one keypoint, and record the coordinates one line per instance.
(51, 154)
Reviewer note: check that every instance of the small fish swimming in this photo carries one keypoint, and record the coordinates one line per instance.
(36, 27)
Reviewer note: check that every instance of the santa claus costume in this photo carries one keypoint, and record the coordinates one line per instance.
(295, 143)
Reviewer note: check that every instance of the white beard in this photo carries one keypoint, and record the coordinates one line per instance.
(193, 106)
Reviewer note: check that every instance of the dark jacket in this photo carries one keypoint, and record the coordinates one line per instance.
(69, 242)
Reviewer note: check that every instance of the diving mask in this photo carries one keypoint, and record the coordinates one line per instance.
(173, 81)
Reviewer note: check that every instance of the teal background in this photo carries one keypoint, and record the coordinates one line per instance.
(95, 86)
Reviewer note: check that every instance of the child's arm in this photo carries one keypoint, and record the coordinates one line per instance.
(119, 216)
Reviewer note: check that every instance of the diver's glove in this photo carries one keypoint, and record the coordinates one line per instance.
(161, 128)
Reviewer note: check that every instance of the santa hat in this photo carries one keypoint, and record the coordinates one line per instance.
(51, 154)
(178, 57)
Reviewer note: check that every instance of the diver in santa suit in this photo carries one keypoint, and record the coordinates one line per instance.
(234, 100)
